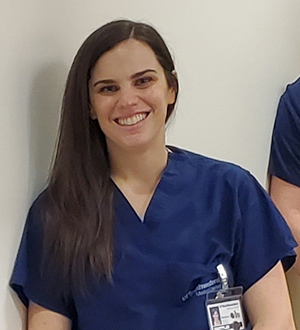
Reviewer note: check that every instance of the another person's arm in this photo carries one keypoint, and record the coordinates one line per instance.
(267, 302)
(286, 196)
(40, 318)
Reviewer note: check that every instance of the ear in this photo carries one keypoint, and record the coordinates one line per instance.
(173, 89)
(93, 114)
(171, 96)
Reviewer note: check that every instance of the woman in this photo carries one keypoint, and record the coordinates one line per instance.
(215, 316)
(129, 232)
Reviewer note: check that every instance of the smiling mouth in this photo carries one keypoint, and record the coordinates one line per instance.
(131, 120)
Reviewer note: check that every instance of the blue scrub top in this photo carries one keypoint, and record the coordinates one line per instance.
(203, 212)
(285, 149)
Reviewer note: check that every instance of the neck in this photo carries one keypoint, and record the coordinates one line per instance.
(143, 166)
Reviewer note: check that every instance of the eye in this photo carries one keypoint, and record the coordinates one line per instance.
(109, 89)
(143, 81)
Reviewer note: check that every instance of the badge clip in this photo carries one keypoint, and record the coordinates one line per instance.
(224, 281)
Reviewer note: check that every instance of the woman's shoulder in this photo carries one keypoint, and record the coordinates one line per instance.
(40, 201)
(210, 167)
(37, 212)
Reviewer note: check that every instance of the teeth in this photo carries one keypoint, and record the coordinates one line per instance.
(132, 120)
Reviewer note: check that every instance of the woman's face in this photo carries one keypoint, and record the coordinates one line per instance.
(215, 314)
(129, 96)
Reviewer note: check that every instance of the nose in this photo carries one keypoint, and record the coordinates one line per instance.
(128, 97)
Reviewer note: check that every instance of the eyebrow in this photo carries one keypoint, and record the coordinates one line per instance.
(135, 75)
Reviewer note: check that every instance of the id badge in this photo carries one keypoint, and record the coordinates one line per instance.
(224, 307)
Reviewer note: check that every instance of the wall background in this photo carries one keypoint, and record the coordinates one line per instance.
(233, 59)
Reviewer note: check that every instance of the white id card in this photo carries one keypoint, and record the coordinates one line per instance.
(224, 309)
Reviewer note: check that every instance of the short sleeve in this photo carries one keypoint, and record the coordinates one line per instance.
(28, 279)
(285, 148)
(262, 237)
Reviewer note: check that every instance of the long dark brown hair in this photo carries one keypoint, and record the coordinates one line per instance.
(79, 213)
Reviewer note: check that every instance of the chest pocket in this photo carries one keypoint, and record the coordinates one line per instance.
(189, 281)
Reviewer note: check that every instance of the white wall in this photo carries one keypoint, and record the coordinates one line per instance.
(233, 59)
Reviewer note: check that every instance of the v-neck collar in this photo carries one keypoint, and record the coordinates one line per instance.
(156, 207)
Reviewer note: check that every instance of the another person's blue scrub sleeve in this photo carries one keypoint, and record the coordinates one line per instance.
(285, 148)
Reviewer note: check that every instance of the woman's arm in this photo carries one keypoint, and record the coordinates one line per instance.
(286, 196)
(267, 302)
(40, 318)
